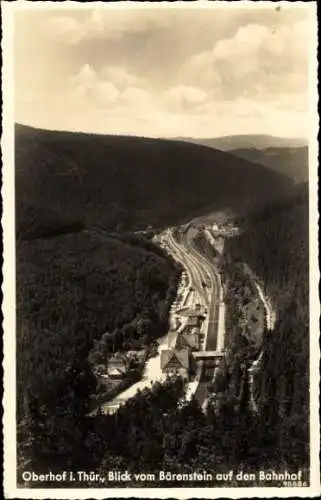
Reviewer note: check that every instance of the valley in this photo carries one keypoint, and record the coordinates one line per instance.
(160, 252)
(146, 283)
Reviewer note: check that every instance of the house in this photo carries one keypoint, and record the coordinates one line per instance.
(189, 340)
(175, 361)
(117, 366)
(139, 355)
(193, 321)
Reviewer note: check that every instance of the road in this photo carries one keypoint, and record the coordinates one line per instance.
(201, 271)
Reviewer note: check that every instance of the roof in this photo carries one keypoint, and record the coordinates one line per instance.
(140, 352)
(190, 338)
(118, 359)
(135, 354)
(179, 358)
(189, 311)
(116, 372)
(208, 354)
(192, 320)
(117, 364)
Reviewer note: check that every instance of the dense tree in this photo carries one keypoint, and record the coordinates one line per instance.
(274, 242)
(74, 290)
(127, 183)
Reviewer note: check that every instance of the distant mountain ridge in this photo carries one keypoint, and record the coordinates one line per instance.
(256, 141)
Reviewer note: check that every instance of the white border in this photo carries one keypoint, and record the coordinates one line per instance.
(7, 144)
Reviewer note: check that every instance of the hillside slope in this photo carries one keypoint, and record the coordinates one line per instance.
(81, 292)
(76, 291)
(275, 244)
(292, 161)
(126, 183)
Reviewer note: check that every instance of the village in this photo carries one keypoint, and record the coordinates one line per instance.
(194, 345)
(184, 350)
(186, 336)
(188, 323)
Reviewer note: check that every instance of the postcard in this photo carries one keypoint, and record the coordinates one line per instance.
(160, 275)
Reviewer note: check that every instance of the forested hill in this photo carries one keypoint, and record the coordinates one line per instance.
(292, 162)
(275, 244)
(75, 291)
(126, 183)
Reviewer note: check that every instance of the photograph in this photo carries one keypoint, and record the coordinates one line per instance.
(160, 249)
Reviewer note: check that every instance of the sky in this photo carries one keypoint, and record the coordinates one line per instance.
(164, 72)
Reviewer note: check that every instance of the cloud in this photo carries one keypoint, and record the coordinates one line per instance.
(85, 76)
(199, 70)
(134, 96)
(106, 92)
(184, 98)
(119, 76)
(111, 86)
(114, 23)
(164, 71)
(256, 60)
(63, 28)
(103, 24)
(89, 88)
